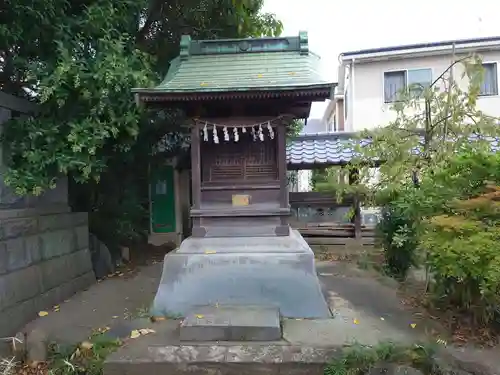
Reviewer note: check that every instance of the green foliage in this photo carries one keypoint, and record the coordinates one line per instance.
(462, 237)
(360, 359)
(327, 179)
(85, 358)
(79, 61)
(428, 129)
(413, 154)
(398, 238)
(83, 86)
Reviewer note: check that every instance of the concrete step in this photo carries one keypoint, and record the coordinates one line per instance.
(232, 323)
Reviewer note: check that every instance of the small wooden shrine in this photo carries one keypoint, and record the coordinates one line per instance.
(240, 96)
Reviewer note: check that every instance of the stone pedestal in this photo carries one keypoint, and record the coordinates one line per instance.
(260, 271)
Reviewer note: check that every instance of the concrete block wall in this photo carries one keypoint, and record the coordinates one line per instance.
(44, 259)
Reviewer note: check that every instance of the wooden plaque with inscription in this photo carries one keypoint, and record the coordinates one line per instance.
(241, 200)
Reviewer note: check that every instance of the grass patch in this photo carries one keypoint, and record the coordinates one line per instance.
(85, 358)
(359, 360)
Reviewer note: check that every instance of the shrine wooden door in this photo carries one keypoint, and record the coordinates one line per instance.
(163, 199)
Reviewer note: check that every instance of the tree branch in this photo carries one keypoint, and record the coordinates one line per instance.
(447, 69)
(155, 9)
(448, 99)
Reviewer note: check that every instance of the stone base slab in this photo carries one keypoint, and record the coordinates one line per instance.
(226, 360)
(231, 323)
(259, 271)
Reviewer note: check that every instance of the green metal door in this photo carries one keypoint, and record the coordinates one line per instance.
(163, 200)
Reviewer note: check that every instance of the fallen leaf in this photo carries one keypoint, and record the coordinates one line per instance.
(87, 345)
(134, 334)
(43, 313)
(413, 325)
(146, 331)
(356, 321)
(103, 329)
(199, 316)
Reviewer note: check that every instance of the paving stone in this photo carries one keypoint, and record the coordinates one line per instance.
(232, 323)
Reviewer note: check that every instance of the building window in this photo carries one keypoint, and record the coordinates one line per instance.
(394, 84)
(414, 80)
(418, 80)
(490, 80)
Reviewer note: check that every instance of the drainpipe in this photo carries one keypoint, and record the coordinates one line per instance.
(351, 92)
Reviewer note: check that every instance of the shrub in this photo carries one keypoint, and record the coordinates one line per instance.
(398, 238)
(463, 250)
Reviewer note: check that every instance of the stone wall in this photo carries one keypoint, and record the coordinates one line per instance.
(44, 259)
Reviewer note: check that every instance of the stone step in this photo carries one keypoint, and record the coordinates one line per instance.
(232, 323)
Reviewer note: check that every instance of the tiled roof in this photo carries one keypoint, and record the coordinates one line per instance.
(218, 66)
(330, 149)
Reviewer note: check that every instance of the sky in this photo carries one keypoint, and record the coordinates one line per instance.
(336, 26)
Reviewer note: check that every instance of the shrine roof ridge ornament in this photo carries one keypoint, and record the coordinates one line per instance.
(190, 47)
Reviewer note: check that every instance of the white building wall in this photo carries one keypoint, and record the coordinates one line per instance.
(304, 179)
(365, 88)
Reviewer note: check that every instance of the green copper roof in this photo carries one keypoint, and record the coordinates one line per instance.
(218, 66)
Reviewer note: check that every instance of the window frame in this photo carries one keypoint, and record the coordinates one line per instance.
(495, 64)
(405, 73)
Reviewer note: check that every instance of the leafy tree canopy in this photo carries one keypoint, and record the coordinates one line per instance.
(79, 60)
(430, 126)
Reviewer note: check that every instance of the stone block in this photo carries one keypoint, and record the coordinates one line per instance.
(82, 237)
(251, 359)
(232, 323)
(18, 253)
(33, 249)
(57, 243)
(54, 222)
(82, 262)
(19, 286)
(17, 256)
(12, 228)
(55, 272)
(102, 262)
